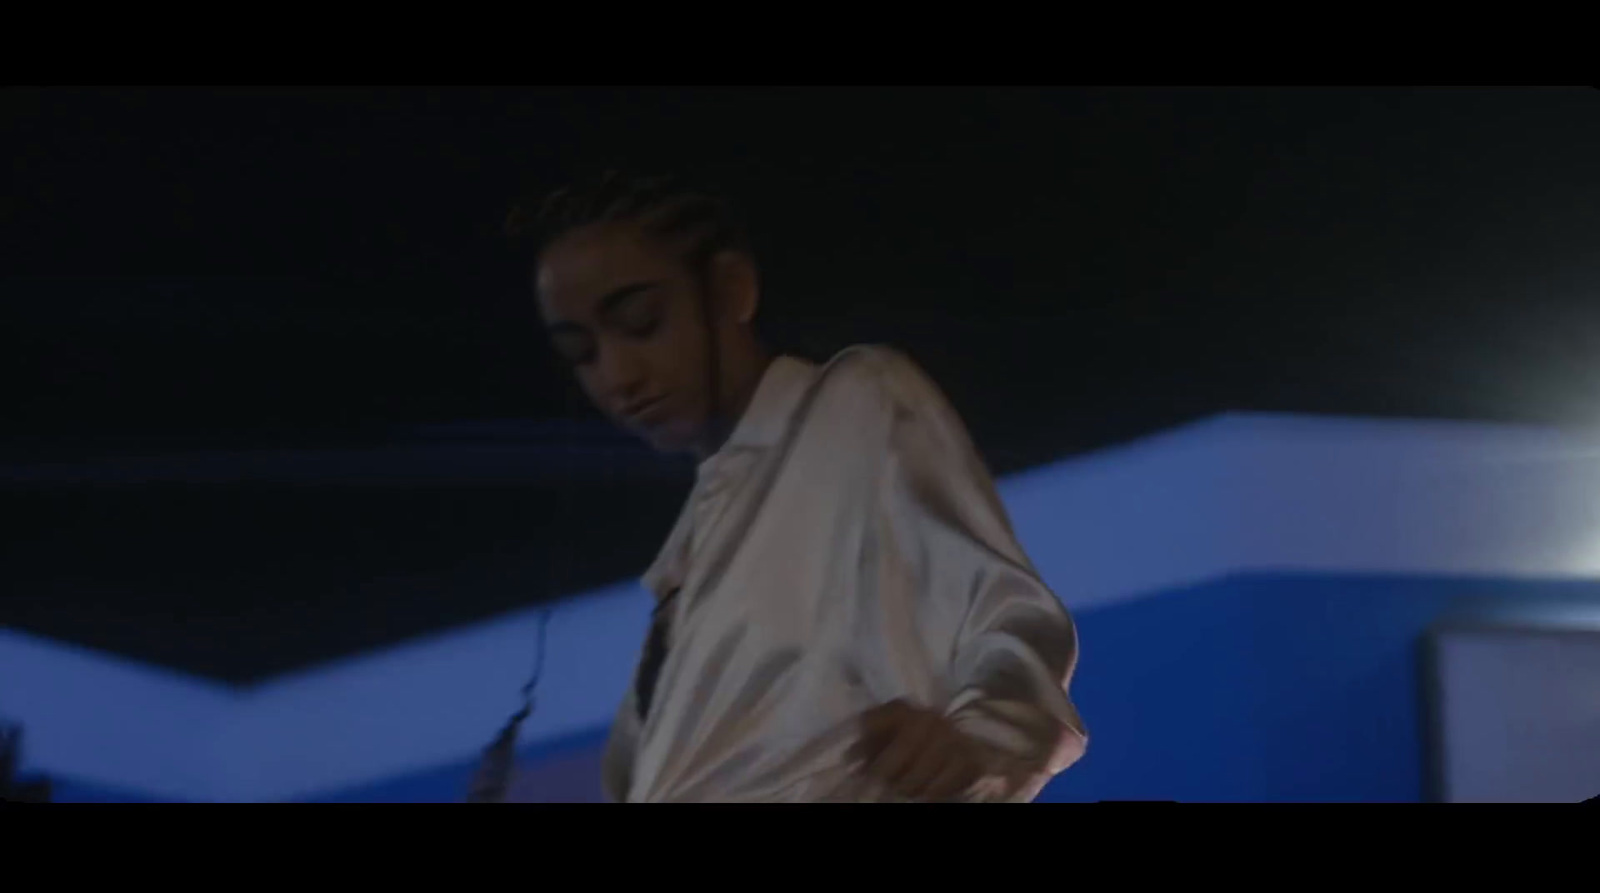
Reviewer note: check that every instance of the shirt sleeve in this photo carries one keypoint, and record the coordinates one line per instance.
(1013, 645)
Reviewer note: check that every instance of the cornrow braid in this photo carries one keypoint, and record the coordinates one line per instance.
(701, 223)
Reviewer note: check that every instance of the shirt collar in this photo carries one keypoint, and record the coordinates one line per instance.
(763, 424)
(771, 408)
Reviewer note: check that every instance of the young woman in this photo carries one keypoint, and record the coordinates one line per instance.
(843, 613)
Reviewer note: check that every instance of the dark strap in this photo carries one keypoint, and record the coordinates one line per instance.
(655, 655)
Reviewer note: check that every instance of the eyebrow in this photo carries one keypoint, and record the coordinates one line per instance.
(609, 303)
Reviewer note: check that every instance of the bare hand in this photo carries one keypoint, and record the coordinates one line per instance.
(917, 753)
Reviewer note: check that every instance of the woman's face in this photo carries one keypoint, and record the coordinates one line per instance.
(625, 312)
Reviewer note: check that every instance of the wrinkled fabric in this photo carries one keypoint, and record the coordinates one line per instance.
(844, 549)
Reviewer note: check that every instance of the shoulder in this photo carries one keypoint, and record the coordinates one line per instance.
(906, 405)
(871, 397)
(884, 375)
(858, 398)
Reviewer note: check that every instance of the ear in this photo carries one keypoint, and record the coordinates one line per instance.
(738, 285)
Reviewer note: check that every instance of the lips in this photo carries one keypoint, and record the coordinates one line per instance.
(644, 412)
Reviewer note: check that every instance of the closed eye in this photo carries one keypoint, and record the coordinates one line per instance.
(641, 328)
(637, 314)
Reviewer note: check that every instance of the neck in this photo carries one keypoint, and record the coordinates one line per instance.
(741, 374)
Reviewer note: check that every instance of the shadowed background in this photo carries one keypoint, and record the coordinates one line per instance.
(275, 393)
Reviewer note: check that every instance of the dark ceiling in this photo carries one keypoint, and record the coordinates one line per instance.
(307, 269)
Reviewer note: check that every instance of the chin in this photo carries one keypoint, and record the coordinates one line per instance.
(671, 438)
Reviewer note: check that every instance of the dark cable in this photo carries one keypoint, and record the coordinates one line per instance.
(494, 770)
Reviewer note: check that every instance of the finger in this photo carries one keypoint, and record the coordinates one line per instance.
(934, 750)
(901, 753)
(876, 727)
(868, 747)
(952, 781)
(874, 730)
(944, 753)
(891, 762)
(931, 762)
(880, 719)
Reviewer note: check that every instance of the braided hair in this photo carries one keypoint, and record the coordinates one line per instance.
(699, 225)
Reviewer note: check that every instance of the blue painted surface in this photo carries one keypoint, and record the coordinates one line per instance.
(1258, 688)
(448, 784)
(1282, 688)
(1266, 689)
(71, 790)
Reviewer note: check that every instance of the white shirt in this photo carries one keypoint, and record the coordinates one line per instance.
(845, 548)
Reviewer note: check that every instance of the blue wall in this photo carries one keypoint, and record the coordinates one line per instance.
(1257, 688)
(71, 790)
(448, 784)
(1252, 688)
(1266, 688)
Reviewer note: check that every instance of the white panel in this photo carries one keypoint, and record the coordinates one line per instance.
(1519, 717)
